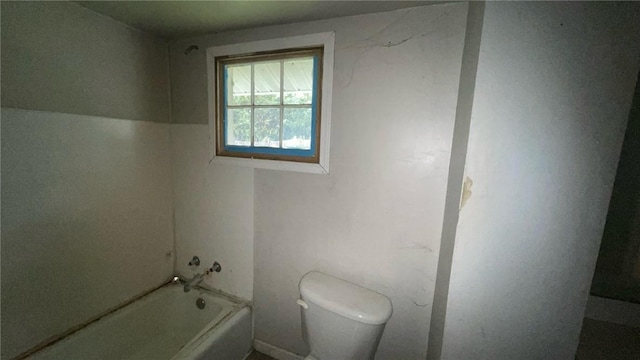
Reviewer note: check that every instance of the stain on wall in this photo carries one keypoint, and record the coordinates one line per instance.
(466, 191)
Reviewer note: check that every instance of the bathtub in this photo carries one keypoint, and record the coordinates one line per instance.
(165, 324)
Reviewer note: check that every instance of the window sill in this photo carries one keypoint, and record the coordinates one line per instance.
(271, 164)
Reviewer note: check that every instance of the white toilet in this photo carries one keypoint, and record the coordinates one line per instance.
(341, 320)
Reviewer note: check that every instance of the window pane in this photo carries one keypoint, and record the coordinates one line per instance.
(238, 84)
(267, 83)
(297, 128)
(298, 80)
(239, 127)
(266, 127)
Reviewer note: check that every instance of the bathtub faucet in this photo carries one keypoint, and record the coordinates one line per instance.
(194, 281)
(197, 279)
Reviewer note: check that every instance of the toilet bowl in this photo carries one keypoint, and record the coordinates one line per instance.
(341, 320)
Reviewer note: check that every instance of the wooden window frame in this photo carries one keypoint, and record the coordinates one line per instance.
(256, 152)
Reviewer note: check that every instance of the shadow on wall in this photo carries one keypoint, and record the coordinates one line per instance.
(602, 340)
(617, 274)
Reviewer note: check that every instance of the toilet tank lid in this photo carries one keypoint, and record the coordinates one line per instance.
(345, 299)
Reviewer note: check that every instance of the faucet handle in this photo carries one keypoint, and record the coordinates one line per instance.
(195, 261)
(216, 267)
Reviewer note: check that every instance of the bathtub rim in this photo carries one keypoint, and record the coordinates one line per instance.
(208, 331)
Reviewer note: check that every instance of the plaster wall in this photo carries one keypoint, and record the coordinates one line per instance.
(376, 219)
(86, 219)
(59, 56)
(553, 93)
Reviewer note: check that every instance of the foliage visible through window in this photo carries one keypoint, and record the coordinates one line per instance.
(268, 105)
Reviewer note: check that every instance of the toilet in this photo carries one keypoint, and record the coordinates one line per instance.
(341, 320)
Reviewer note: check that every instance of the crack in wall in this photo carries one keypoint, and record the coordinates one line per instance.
(374, 41)
(379, 32)
(418, 304)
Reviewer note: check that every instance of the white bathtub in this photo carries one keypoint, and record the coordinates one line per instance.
(165, 324)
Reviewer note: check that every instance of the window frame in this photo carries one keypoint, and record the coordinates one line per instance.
(299, 155)
(259, 50)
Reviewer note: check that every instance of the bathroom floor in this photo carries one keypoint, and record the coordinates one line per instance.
(259, 356)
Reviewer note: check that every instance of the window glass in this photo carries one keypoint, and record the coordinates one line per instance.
(298, 81)
(238, 85)
(267, 127)
(296, 132)
(239, 127)
(267, 83)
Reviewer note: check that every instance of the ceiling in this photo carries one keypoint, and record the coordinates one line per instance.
(180, 19)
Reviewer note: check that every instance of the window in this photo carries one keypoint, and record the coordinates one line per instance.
(269, 103)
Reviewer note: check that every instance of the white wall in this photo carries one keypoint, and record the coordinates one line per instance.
(553, 93)
(59, 56)
(376, 219)
(213, 209)
(86, 220)
(454, 192)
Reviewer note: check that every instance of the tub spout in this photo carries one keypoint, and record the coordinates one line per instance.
(197, 279)
(194, 281)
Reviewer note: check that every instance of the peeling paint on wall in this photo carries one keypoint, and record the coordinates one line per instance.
(466, 191)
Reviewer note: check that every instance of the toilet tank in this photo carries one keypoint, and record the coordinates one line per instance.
(341, 320)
